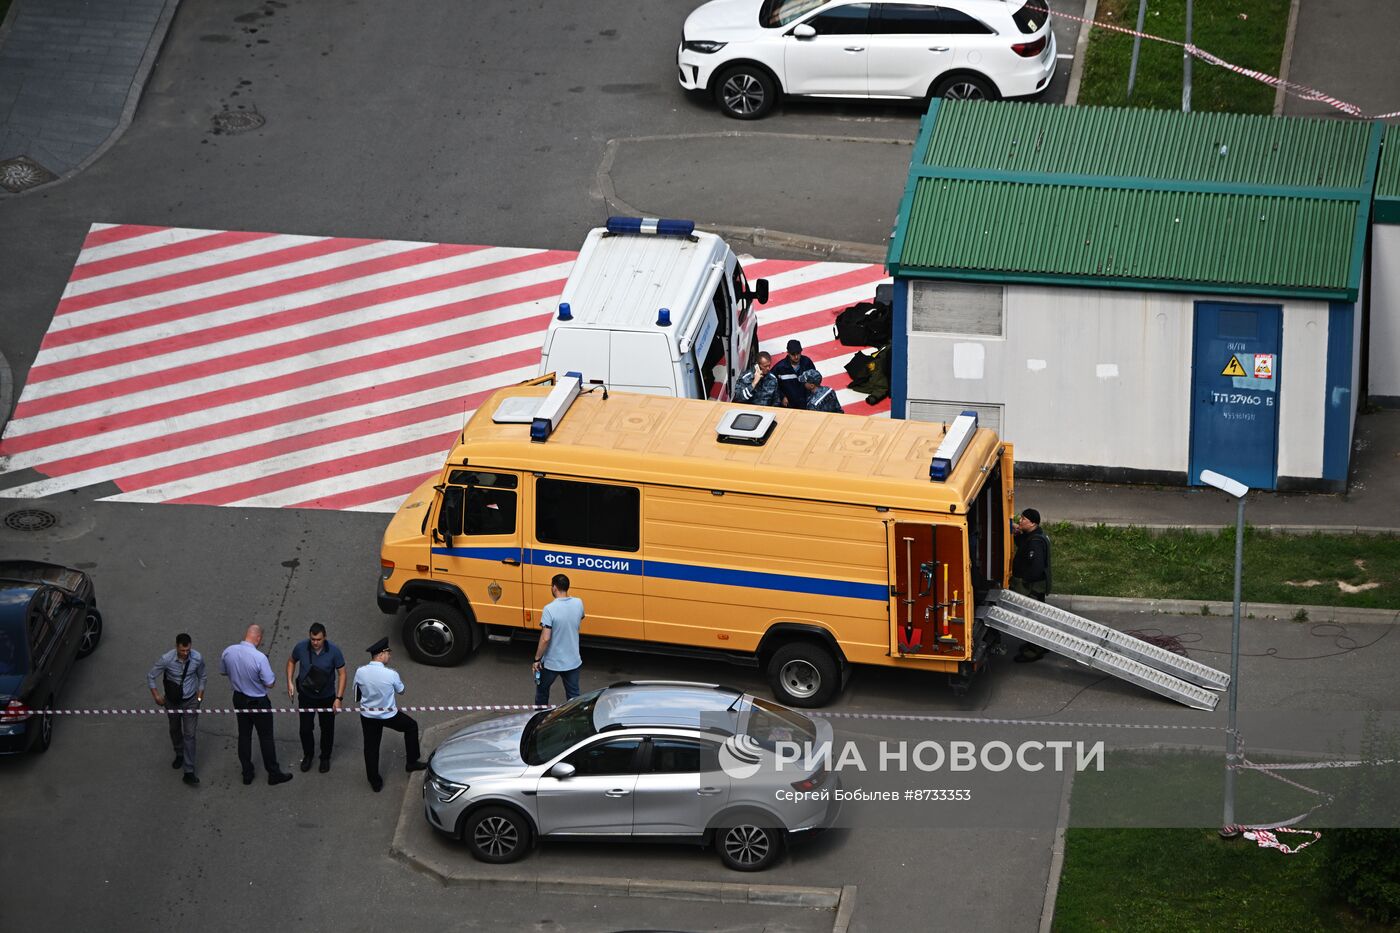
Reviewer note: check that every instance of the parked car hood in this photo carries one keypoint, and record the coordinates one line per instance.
(723, 19)
(489, 747)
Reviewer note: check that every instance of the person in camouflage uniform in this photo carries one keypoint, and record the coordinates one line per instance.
(759, 386)
(819, 397)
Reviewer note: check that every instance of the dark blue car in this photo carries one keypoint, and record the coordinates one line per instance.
(48, 619)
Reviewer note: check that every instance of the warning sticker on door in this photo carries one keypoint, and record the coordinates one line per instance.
(1233, 368)
(1263, 366)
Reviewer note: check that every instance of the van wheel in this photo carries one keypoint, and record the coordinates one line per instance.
(438, 634)
(804, 674)
(745, 92)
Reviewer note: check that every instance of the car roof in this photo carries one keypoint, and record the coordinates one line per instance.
(679, 705)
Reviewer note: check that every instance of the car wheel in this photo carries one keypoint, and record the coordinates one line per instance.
(41, 744)
(497, 835)
(745, 92)
(745, 845)
(965, 87)
(92, 633)
(438, 634)
(804, 674)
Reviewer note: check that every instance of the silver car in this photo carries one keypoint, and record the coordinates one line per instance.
(658, 761)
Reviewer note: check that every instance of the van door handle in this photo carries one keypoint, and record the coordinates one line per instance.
(511, 561)
(616, 792)
(855, 48)
(938, 48)
(708, 791)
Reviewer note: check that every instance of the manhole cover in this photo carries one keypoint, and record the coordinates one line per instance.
(30, 520)
(237, 121)
(20, 174)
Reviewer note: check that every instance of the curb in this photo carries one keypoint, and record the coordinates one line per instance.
(1288, 612)
(1286, 59)
(1374, 530)
(843, 250)
(1076, 71)
(469, 873)
(1057, 857)
(7, 389)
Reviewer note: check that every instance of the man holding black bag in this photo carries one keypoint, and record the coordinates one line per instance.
(177, 682)
(319, 688)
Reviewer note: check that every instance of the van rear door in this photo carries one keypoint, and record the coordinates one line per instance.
(929, 604)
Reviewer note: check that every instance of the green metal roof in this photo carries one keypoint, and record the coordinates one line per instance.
(1143, 199)
(1388, 179)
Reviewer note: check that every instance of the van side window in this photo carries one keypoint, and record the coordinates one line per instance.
(741, 285)
(589, 515)
(485, 507)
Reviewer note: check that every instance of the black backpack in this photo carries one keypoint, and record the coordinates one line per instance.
(867, 323)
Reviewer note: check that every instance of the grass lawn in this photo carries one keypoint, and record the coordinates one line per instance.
(1133, 562)
(1177, 879)
(1248, 33)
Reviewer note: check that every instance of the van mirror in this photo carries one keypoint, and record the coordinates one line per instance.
(562, 770)
(803, 31)
(760, 291)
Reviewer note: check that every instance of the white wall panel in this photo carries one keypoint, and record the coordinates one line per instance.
(1384, 375)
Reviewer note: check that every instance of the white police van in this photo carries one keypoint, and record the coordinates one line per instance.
(653, 306)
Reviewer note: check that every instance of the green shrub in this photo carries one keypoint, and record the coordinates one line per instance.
(1363, 868)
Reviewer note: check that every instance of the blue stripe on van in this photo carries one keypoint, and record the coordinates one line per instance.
(689, 573)
(818, 586)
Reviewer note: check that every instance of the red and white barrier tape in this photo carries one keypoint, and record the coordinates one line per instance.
(1268, 840)
(1301, 91)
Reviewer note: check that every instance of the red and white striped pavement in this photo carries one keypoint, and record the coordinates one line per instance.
(259, 369)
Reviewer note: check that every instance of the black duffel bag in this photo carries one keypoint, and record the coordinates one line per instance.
(864, 324)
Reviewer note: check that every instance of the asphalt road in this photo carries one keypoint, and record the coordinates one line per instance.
(472, 123)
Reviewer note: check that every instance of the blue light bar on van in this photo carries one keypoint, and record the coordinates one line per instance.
(555, 406)
(946, 457)
(653, 226)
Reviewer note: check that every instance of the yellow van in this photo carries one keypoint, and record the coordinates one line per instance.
(804, 542)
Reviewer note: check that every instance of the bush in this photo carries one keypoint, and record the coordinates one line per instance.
(1364, 869)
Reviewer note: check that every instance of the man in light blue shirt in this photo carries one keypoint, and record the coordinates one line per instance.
(250, 676)
(177, 682)
(557, 653)
(378, 687)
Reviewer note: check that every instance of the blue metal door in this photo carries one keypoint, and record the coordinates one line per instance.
(1235, 377)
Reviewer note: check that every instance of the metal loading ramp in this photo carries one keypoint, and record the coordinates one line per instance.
(1102, 648)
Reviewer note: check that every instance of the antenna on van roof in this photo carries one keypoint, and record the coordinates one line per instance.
(595, 383)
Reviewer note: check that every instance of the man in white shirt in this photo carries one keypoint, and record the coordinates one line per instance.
(378, 687)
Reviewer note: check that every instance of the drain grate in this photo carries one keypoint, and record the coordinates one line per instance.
(237, 121)
(30, 520)
(23, 173)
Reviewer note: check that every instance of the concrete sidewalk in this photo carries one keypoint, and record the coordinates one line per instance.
(1346, 51)
(71, 74)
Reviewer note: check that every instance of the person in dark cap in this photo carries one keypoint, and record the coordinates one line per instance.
(1030, 569)
(819, 397)
(787, 370)
(378, 687)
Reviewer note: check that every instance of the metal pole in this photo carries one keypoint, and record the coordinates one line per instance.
(1137, 47)
(1186, 68)
(1232, 735)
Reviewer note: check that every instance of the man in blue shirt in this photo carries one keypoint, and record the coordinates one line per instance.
(557, 653)
(319, 686)
(177, 682)
(378, 687)
(787, 371)
(250, 676)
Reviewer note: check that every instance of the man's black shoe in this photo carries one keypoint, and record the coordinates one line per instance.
(325, 765)
(179, 761)
(247, 779)
(305, 763)
(377, 784)
(413, 766)
(280, 777)
(1029, 653)
(191, 779)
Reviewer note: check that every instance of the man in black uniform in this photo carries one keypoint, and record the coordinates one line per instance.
(1030, 570)
(787, 370)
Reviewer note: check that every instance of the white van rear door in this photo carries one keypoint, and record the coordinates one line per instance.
(578, 350)
(644, 364)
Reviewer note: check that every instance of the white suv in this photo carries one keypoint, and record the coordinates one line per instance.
(748, 52)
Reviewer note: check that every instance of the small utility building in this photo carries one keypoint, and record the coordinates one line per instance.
(1137, 295)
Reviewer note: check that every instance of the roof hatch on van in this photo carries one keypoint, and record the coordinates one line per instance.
(746, 426)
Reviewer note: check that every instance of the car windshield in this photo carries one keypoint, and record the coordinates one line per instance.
(559, 729)
(776, 13)
(14, 642)
(770, 724)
